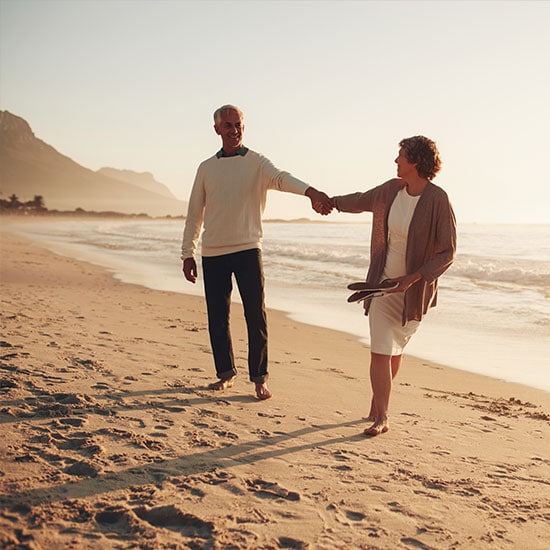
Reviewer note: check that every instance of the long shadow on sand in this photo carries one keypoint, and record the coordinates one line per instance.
(194, 463)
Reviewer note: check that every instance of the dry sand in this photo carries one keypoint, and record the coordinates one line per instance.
(110, 438)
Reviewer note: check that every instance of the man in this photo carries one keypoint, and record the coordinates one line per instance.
(228, 197)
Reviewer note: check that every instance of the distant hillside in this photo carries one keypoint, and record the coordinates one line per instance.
(29, 167)
(145, 180)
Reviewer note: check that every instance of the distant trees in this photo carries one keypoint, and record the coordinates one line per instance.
(13, 204)
(37, 206)
(37, 203)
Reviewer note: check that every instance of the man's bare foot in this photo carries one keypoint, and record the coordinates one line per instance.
(262, 391)
(380, 426)
(221, 385)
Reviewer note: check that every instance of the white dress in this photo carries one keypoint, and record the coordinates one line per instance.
(387, 335)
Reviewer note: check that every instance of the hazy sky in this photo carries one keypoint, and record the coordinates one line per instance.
(328, 88)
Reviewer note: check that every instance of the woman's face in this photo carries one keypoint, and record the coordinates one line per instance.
(404, 167)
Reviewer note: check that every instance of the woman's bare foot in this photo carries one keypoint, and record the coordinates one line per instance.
(262, 391)
(379, 426)
(372, 413)
(221, 385)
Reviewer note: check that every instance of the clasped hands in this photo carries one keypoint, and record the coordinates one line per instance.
(320, 202)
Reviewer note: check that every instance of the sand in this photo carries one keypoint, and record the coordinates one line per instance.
(111, 439)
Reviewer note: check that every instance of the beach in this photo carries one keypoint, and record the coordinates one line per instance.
(111, 439)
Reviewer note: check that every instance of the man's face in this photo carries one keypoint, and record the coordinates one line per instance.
(230, 128)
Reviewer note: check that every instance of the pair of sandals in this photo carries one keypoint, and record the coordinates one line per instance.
(365, 291)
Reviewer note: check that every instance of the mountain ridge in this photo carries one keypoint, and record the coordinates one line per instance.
(29, 166)
(145, 180)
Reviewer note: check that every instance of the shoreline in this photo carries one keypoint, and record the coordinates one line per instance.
(110, 435)
(488, 353)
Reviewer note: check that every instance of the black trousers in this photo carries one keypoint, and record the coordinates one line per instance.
(247, 268)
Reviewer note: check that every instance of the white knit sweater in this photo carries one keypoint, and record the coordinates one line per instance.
(228, 198)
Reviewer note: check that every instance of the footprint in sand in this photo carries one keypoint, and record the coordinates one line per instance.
(225, 434)
(288, 542)
(272, 415)
(355, 516)
(268, 489)
(117, 519)
(215, 414)
(83, 468)
(340, 455)
(171, 517)
(101, 386)
(7, 383)
(262, 434)
(410, 541)
(345, 516)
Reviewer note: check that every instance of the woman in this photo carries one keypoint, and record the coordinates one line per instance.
(413, 242)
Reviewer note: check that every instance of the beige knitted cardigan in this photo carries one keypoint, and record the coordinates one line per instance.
(431, 243)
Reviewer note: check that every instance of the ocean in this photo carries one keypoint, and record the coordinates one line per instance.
(493, 311)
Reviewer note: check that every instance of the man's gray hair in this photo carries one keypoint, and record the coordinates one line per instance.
(218, 112)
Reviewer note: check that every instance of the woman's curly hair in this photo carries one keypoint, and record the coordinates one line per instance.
(423, 152)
